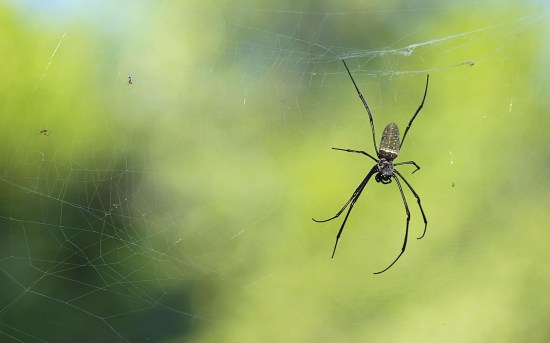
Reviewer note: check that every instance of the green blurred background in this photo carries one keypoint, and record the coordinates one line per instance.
(178, 207)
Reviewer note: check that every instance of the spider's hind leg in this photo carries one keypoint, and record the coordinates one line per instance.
(355, 194)
(406, 228)
(350, 202)
(418, 201)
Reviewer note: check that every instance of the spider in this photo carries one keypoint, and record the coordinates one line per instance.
(384, 169)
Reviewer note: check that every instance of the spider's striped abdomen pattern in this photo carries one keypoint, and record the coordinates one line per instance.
(389, 144)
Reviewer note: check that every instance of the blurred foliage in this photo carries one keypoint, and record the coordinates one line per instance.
(178, 207)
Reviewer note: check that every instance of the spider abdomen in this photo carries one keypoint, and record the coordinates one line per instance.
(389, 145)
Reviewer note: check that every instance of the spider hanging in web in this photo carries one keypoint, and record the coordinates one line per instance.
(384, 169)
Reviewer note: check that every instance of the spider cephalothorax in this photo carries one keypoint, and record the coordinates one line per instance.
(384, 170)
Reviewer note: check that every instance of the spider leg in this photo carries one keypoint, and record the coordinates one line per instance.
(417, 200)
(406, 228)
(353, 200)
(354, 195)
(359, 152)
(365, 104)
(418, 110)
(408, 162)
(346, 219)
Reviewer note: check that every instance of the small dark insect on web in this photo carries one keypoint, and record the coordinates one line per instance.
(44, 132)
(130, 80)
(384, 170)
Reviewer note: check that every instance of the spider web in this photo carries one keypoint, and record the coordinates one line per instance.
(177, 207)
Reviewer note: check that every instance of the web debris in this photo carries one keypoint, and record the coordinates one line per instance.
(50, 62)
